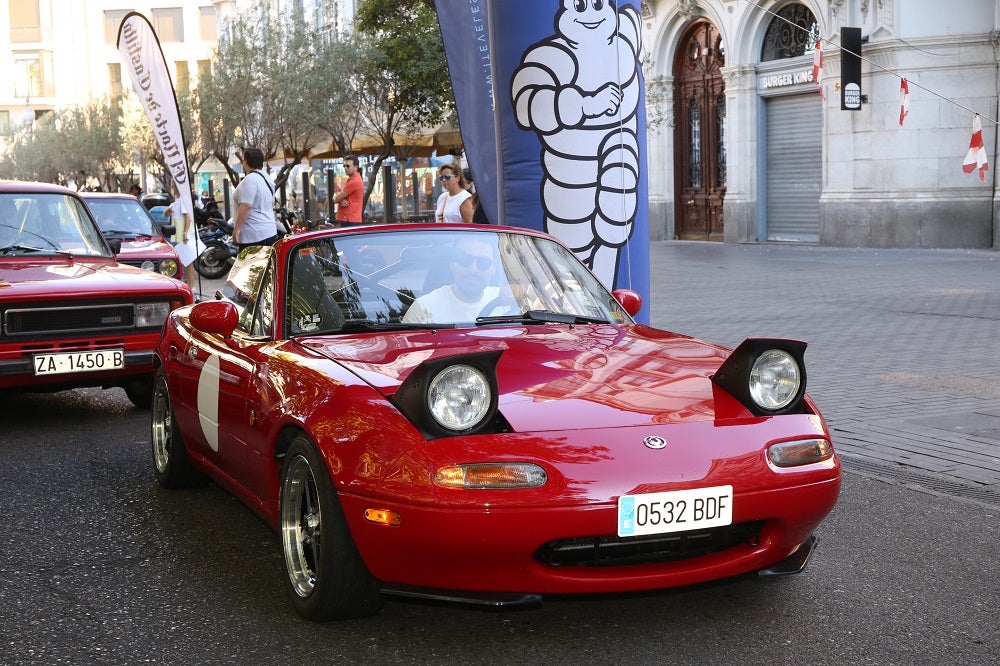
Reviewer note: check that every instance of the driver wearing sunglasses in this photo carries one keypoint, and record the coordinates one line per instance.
(472, 267)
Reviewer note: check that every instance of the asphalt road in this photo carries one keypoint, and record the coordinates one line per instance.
(101, 566)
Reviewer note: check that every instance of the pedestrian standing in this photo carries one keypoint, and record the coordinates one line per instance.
(455, 203)
(349, 199)
(181, 214)
(254, 221)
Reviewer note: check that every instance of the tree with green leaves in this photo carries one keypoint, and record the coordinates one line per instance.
(403, 84)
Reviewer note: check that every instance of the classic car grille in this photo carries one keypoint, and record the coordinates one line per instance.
(95, 318)
(618, 551)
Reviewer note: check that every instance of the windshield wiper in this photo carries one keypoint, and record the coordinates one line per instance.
(13, 249)
(539, 316)
(366, 326)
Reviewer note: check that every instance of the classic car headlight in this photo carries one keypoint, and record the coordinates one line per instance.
(168, 267)
(799, 452)
(147, 265)
(766, 375)
(151, 314)
(774, 379)
(459, 397)
(482, 476)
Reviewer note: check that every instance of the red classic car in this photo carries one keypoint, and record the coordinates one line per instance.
(71, 315)
(121, 217)
(464, 412)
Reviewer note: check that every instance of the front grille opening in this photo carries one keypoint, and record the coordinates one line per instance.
(619, 551)
(79, 319)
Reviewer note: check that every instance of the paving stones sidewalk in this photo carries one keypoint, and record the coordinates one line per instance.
(904, 345)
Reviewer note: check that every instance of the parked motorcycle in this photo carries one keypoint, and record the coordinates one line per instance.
(220, 251)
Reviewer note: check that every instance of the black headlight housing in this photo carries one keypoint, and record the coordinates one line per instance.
(767, 375)
(422, 387)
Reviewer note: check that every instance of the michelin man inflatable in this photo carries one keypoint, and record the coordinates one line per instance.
(579, 91)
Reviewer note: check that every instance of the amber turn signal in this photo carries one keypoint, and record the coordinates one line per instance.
(383, 517)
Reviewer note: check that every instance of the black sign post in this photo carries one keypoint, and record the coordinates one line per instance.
(850, 69)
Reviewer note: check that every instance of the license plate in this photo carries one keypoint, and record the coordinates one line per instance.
(675, 511)
(88, 361)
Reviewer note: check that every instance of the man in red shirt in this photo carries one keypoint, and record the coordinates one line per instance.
(350, 199)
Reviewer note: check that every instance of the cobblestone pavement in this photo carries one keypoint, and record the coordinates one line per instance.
(904, 345)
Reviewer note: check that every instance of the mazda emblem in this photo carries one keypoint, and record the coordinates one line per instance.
(655, 442)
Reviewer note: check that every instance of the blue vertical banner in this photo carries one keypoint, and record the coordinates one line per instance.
(569, 126)
(465, 32)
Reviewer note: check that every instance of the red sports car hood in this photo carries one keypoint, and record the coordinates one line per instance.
(22, 279)
(557, 377)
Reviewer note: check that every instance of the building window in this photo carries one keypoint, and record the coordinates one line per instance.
(4, 122)
(788, 34)
(169, 24)
(115, 79)
(33, 74)
(207, 28)
(204, 69)
(112, 22)
(182, 80)
(25, 21)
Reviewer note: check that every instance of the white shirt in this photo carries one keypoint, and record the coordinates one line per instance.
(256, 189)
(449, 208)
(443, 306)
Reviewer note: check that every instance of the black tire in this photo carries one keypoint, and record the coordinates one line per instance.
(140, 391)
(213, 262)
(171, 463)
(326, 576)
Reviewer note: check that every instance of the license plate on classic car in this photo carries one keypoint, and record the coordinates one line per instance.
(675, 511)
(88, 361)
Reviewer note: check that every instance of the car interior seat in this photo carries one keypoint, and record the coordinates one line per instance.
(310, 305)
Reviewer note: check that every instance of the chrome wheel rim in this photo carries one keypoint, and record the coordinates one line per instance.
(162, 427)
(301, 526)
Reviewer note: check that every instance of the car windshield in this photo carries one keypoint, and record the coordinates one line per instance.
(413, 279)
(122, 218)
(40, 224)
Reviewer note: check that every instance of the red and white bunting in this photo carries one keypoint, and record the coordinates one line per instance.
(904, 101)
(818, 67)
(976, 157)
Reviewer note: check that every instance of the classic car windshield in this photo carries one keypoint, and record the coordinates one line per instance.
(401, 279)
(42, 223)
(122, 218)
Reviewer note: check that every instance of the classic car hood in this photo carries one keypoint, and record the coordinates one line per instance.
(52, 278)
(145, 246)
(557, 377)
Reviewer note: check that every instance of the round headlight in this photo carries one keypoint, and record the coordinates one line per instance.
(147, 265)
(775, 379)
(169, 267)
(459, 397)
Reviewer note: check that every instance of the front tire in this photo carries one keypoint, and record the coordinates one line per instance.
(213, 262)
(171, 463)
(326, 576)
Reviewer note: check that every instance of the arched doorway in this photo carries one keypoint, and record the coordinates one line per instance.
(699, 134)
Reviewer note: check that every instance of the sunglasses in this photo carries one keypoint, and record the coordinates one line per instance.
(444, 176)
(482, 263)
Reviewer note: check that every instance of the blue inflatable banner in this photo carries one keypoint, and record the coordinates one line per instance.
(569, 127)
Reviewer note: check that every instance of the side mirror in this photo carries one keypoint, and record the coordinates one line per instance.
(168, 230)
(215, 318)
(629, 299)
(116, 245)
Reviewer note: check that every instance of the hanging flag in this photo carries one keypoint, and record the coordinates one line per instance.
(904, 100)
(465, 33)
(143, 57)
(818, 67)
(976, 157)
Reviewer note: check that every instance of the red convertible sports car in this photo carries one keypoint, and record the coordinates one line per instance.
(464, 412)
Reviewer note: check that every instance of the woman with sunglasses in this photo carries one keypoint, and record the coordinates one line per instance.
(455, 203)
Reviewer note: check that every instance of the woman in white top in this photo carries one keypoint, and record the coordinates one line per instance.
(455, 203)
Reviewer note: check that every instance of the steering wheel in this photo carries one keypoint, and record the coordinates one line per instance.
(505, 303)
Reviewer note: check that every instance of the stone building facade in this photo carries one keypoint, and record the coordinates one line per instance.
(747, 150)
